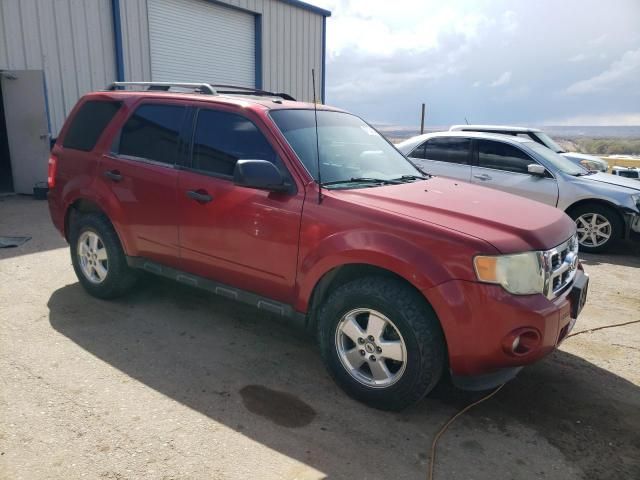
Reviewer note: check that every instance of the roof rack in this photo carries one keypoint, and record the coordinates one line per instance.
(237, 90)
(203, 88)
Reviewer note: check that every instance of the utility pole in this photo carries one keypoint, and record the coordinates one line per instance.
(422, 120)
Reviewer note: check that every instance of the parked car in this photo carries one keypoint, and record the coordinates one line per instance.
(590, 162)
(605, 207)
(402, 277)
(626, 172)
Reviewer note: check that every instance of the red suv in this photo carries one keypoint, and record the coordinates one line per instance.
(314, 216)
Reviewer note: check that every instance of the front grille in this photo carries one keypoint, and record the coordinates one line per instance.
(560, 264)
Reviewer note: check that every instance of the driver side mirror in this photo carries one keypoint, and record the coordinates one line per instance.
(259, 174)
(537, 170)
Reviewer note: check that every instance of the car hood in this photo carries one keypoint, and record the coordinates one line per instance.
(582, 156)
(613, 180)
(508, 222)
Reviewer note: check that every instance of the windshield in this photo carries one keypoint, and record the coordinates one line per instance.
(558, 161)
(349, 148)
(548, 142)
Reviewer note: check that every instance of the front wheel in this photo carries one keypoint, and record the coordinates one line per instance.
(598, 226)
(381, 342)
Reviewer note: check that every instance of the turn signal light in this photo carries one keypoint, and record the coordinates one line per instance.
(53, 168)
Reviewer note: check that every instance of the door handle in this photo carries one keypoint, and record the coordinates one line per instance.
(199, 196)
(482, 177)
(113, 175)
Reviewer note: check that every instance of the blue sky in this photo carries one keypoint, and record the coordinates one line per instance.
(562, 62)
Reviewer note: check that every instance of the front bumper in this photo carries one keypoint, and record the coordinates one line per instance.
(479, 321)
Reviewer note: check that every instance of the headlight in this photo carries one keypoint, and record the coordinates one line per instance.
(635, 200)
(520, 274)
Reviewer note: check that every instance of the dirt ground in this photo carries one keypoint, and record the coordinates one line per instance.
(174, 383)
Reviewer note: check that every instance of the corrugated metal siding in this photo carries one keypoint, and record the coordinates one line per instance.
(199, 41)
(71, 40)
(291, 44)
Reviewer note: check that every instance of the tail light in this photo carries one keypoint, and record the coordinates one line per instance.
(53, 168)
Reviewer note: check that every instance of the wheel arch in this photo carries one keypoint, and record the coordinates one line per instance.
(342, 274)
(82, 206)
(603, 203)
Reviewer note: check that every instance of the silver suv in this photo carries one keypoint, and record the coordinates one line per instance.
(590, 162)
(605, 207)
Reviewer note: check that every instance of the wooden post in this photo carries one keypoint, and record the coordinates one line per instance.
(422, 121)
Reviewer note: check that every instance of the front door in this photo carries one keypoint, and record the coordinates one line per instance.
(25, 112)
(445, 156)
(505, 167)
(242, 237)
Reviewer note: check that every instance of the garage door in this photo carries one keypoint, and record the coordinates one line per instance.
(199, 41)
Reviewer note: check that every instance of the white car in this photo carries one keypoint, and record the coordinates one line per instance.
(590, 162)
(604, 206)
(626, 172)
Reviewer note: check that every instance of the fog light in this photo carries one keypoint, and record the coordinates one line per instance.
(515, 344)
(521, 341)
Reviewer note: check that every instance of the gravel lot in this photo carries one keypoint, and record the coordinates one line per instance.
(172, 382)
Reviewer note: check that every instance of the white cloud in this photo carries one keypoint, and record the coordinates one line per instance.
(598, 120)
(626, 69)
(501, 80)
(509, 21)
(578, 58)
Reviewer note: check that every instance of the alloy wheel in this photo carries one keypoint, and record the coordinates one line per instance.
(593, 229)
(93, 258)
(371, 348)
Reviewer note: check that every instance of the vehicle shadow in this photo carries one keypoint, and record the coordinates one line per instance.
(623, 253)
(254, 375)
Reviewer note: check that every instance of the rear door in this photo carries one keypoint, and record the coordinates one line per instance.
(238, 236)
(141, 174)
(445, 156)
(504, 167)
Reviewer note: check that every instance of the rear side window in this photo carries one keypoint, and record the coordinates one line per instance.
(450, 150)
(152, 133)
(88, 124)
(223, 138)
(501, 156)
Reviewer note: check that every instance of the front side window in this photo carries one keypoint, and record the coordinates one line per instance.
(88, 124)
(349, 148)
(450, 150)
(223, 138)
(502, 156)
(152, 133)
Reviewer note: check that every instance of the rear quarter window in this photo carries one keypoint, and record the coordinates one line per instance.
(88, 124)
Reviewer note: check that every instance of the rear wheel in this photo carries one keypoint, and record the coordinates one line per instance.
(97, 257)
(597, 227)
(381, 342)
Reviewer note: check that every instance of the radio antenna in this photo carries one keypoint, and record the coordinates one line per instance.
(315, 115)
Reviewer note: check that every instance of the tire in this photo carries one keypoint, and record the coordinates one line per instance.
(415, 324)
(109, 276)
(583, 216)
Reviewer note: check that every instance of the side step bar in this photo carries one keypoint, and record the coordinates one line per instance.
(262, 303)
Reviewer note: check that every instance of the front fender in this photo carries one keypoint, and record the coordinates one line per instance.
(417, 265)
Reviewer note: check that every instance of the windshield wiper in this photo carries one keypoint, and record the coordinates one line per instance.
(412, 177)
(379, 181)
(584, 174)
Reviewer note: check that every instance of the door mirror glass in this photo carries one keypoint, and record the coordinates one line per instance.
(535, 169)
(259, 174)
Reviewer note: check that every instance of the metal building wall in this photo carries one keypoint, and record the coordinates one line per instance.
(292, 44)
(71, 40)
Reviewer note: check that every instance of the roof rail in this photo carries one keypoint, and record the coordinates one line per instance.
(238, 90)
(203, 88)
